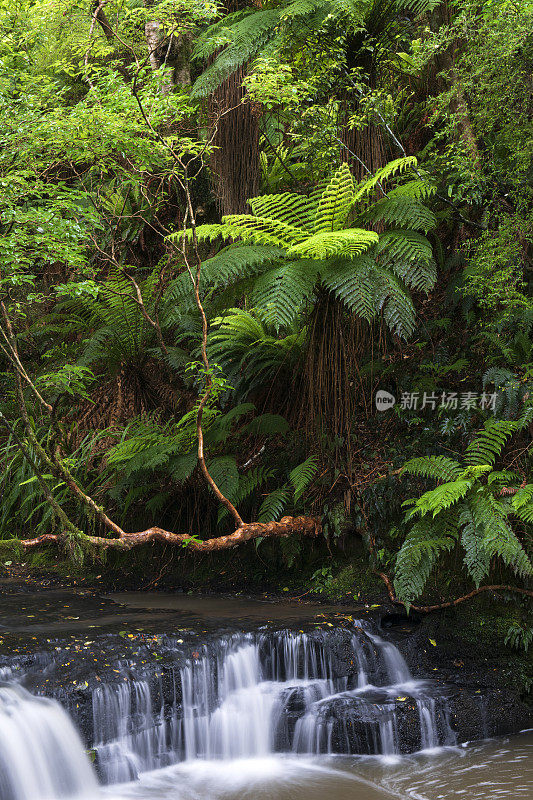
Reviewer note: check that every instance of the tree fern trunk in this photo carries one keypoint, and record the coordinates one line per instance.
(332, 390)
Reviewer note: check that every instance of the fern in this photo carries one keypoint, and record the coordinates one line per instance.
(468, 507)
(489, 443)
(302, 475)
(273, 505)
(404, 212)
(439, 467)
(349, 243)
(477, 557)
(424, 543)
(335, 203)
(498, 538)
(250, 353)
(282, 292)
(385, 173)
(370, 273)
(354, 283)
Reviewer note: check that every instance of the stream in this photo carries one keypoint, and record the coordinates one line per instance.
(176, 697)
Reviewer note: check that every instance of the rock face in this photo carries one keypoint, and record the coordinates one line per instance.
(142, 702)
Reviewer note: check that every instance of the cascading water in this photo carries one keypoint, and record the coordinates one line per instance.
(41, 755)
(254, 695)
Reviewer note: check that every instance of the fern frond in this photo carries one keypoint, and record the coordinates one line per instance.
(281, 292)
(419, 189)
(383, 174)
(296, 210)
(418, 554)
(302, 475)
(402, 212)
(247, 36)
(335, 202)
(441, 498)
(440, 468)
(498, 538)
(273, 505)
(396, 304)
(488, 445)
(224, 472)
(349, 243)
(404, 245)
(354, 283)
(477, 558)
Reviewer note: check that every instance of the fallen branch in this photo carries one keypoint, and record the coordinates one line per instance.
(450, 603)
(287, 526)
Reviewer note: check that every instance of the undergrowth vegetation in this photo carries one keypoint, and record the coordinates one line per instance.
(280, 254)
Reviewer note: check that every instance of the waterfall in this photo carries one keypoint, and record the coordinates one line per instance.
(41, 754)
(250, 695)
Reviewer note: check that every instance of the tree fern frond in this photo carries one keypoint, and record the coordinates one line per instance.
(218, 34)
(399, 244)
(353, 282)
(247, 36)
(419, 189)
(335, 202)
(403, 212)
(281, 292)
(262, 230)
(395, 303)
(383, 174)
(296, 210)
(348, 243)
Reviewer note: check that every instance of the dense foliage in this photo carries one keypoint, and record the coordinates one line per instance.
(244, 223)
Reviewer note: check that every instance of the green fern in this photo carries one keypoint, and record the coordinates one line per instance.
(467, 506)
(273, 505)
(489, 443)
(371, 274)
(302, 475)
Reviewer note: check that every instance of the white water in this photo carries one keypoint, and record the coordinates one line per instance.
(249, 718)
(41, 755)
(255, 696)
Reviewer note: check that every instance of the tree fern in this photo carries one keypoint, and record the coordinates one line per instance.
(370, 273)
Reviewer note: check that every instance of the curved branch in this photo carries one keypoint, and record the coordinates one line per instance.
(451, 603)
(287, 526)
